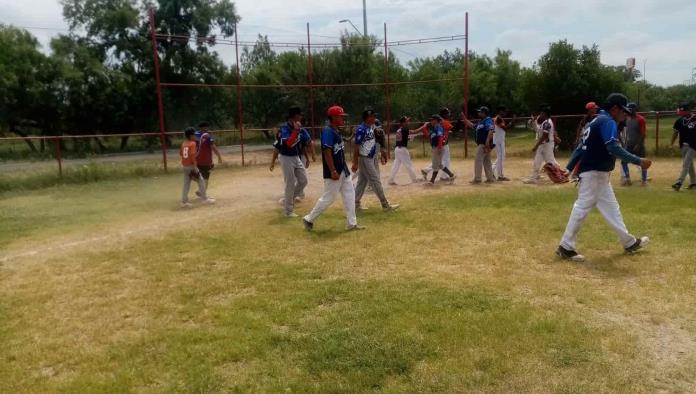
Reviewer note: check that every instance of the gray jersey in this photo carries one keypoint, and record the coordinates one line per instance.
(633, 135)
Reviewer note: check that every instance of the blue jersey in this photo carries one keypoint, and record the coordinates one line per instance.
(365, 137)
(595, 138)
(436, 133)
(285, 143)
(483, 127)
(330, 139)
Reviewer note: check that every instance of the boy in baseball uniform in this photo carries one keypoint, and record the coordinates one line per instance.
(336, 173)
(366, 150)
(545, 144)
(634, 141)
(401, 154)
(290, 146)
(436, 133)
(685, 130)
(597, 154)
(188, 153)
(484, 130)
(501, 127)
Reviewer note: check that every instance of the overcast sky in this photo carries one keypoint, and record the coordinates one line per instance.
(661, 32)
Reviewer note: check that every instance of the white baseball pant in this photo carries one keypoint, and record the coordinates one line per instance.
(500, 159)
(544, 154)
(343, 185)
(595, 190)
(402, 156)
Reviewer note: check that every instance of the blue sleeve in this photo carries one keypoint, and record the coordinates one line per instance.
(489, 124)
(305, 137)
(615, 149)
(575, 158)
(609, 131)
(360, 135)
(327, 139)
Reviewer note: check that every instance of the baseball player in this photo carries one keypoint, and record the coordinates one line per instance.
(436, 133)
(364, 160)
(545, 144)
(188, 153)
(635, 132)
(291, 144)
(401, 153)
(597, 157)
(484, 130)
(336, 173)
(501, 127)
(206, 148)
(447, 127)
(685, 129)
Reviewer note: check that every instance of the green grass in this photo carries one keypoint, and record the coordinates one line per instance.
(458, 292)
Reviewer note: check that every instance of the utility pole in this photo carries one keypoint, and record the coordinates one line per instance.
(364, 18)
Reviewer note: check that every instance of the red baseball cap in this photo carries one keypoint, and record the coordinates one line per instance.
(591, 105)
(336, 111)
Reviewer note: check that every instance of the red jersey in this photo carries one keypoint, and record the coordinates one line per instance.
(205, 150)
(447, 125)
(188, 153)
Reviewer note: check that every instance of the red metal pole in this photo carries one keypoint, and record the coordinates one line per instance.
(160, 105)
(657, 132)
(466, 83)
(387, 127)
(240, 109)
(59, 158)
(310, 74)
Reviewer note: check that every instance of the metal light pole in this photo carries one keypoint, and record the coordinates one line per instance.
(351, 23)
(365, 18)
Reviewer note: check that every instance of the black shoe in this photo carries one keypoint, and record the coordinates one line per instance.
(692, 186)
(571, 255)
(677, 186)
(638, 245)
(308, 225)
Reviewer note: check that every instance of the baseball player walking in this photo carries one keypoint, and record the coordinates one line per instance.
(336, 173)
(501, 127)
(364, 162)
(484, 130)
(437, 142)
(290, 145)
(545, 144)
(597, 156)
(401, 154)
(204, 158)
(635, 133)
(685, 129)
(447, 128)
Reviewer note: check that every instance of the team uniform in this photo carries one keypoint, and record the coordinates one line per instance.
(204, 156)
(290, 143)
(402, 156)
(499, 142)
(635, 132)
(368, 172)
(447, 129)
(187, 152)
(483, 161)
(686, 128)
(597, 158)
(544, 153)
(331, 139)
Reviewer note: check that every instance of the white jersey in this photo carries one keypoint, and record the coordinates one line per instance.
(544, 128)
(498, 135)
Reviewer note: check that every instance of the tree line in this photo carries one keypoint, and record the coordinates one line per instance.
(99, 76)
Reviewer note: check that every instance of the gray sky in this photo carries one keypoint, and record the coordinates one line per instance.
(660, 31)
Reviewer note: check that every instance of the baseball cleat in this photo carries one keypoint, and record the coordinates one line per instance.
(475, 182)
(677, 186)
(361, 208)
(186, 205)
(569, 255)
(503, 179)
(307, 225)
(209, 201)
(429, 184)
(291, 215)
(425, 175)
(451, 179)
(638, 245)
(355, 227)
(391, 207)
(626, 182)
